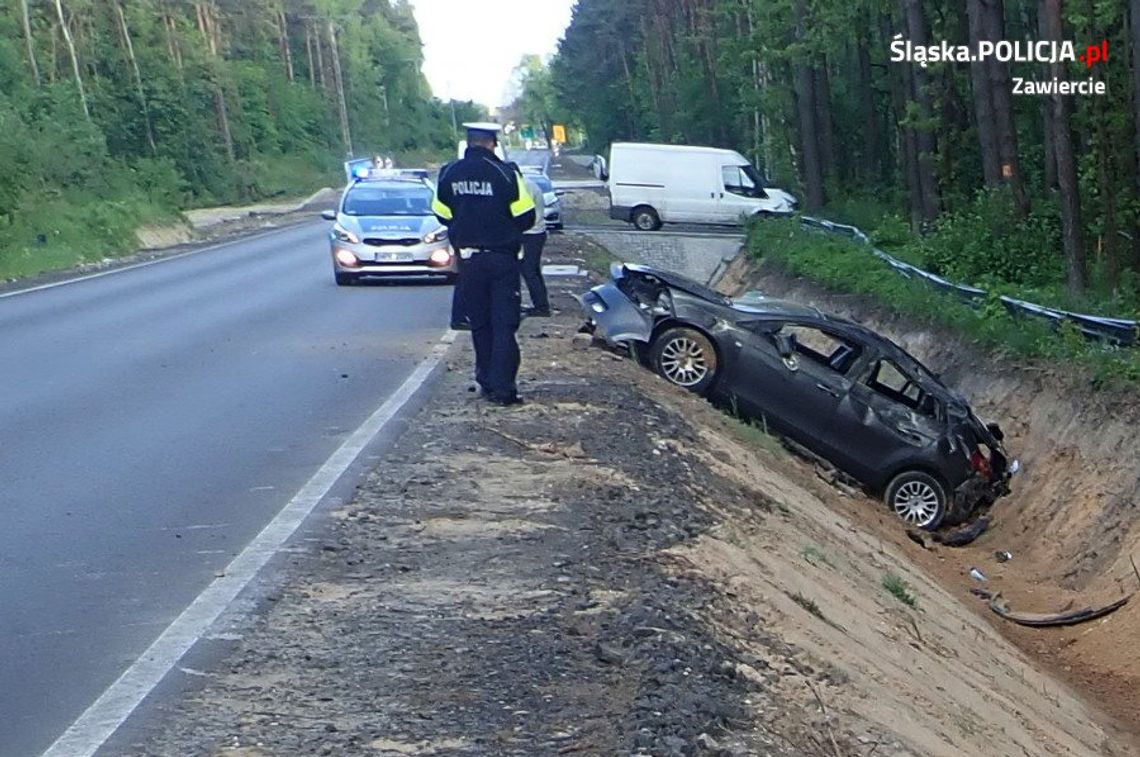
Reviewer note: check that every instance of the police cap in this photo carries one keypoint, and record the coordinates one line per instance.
(482, 130)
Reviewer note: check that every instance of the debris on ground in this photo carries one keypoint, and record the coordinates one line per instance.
(1045, 620)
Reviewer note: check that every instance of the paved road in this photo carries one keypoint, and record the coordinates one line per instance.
(153, 421)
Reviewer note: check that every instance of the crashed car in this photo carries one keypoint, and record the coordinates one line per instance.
(849, 395)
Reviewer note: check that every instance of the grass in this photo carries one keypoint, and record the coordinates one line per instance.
(844, 265)
(899, 589)
(596, 257)
(807, 604)
(816, 557)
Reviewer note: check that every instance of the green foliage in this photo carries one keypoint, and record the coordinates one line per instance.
(898, 588)
(202, 107)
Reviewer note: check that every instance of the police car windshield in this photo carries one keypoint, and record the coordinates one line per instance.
(363, 200)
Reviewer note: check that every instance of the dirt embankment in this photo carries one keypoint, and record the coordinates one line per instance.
(612, 568)
(1072, 522)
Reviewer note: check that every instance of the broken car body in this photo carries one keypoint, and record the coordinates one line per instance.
(850, 395)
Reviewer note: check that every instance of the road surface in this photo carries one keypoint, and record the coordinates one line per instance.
(154, 420)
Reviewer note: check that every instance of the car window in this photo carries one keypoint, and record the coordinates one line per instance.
(821, 347)
(889, 380)
(364, 200)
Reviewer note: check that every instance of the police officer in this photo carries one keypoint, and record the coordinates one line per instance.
(486, 207)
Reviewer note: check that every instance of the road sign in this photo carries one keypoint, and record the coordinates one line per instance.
(527, 132)
(560, 133)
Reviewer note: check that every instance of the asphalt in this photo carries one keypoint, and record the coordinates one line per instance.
(154, 420)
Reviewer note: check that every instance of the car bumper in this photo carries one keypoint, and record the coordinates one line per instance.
(394, 260)
(615, 317)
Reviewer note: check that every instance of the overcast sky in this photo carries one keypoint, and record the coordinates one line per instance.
(471, 46)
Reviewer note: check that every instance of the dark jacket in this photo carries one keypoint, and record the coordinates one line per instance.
(483, 202)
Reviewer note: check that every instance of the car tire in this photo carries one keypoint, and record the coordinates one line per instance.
(345, 279)
(686, 358)
(645, 218)
(917, 498)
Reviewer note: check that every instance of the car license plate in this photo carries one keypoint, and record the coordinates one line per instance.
(394, 257)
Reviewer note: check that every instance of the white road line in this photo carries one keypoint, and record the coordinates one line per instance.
(100, 721)
(144, 264)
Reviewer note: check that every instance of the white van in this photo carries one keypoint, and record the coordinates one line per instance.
(654, 184)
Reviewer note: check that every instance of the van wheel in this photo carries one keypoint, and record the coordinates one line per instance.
(918, 498)
(645, 218)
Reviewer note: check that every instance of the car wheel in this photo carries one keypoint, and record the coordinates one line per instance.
(345, 279)
(917, 498)
(645, 218)
(685, 357)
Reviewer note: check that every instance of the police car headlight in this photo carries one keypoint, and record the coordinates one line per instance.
(436, 236)
(344, 235)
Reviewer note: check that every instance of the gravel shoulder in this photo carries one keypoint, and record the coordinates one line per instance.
(613, 568)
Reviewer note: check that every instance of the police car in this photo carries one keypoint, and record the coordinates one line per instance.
(384, 227)
(551, 197)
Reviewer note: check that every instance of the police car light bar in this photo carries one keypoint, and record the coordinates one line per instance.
(360, 173)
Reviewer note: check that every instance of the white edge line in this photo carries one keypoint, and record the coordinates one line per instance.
(145, 263)
(107, 713)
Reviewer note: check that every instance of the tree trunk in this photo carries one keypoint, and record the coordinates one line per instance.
(983, 104)
(309, 50)
(318, 45)
(1001, 87)
(928, 200)
(824, 121)
(872, 166)
(221, 109)
(1072, 236)
(341, 100)
(130, 48)
(74, 59)
(283, 42)
(1134, 15)
(29, 42)
(810, 167)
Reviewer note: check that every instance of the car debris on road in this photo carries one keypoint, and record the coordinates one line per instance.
(846, 393)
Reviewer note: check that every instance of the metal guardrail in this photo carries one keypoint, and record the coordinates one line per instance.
(1117, 331)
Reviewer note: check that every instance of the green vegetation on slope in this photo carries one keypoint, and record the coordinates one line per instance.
(118, 113)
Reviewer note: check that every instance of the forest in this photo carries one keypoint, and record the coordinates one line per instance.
(1034, 194)
(117, 113)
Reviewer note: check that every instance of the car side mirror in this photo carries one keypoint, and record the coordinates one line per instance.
(784, 346)
(328, 215)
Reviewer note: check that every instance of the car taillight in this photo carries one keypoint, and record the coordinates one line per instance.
(980, 464)
(346, 258)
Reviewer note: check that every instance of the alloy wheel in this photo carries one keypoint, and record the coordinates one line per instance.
(916, 502)
(683, 362)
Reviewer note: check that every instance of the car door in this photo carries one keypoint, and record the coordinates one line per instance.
(801, 393)
(889, 420)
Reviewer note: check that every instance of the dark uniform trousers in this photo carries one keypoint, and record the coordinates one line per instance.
(491, 299)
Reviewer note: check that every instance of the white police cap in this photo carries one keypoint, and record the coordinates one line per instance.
(488, 126)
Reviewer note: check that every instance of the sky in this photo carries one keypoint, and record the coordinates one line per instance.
(471, 46)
